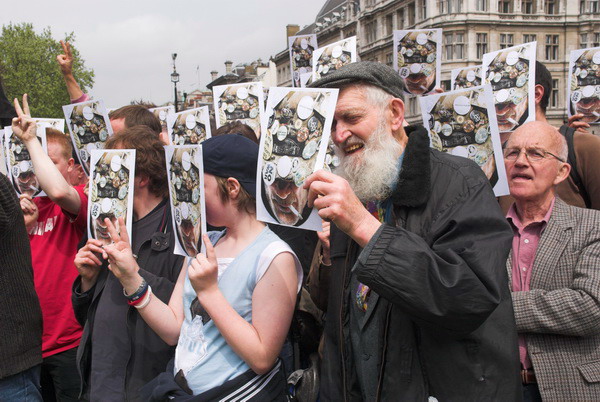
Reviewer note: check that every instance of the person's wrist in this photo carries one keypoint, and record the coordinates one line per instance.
(131, 282)
(207, 293)
(88, 282)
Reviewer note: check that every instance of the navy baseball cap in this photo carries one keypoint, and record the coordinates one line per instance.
(232, 155)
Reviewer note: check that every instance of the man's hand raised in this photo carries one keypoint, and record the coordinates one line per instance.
(65, 60)
(23, 125)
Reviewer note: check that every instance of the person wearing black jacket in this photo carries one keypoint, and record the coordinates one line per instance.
(413, 282)
(119, 352)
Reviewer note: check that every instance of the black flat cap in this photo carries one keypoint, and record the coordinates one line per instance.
(370, 72)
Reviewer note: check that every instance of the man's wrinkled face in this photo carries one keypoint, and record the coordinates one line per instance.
(419, 83)
(287, 201)
(28, 183)
(100, 228)
(509, 114)
(590, 108)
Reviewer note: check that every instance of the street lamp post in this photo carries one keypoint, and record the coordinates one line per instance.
(175, 79)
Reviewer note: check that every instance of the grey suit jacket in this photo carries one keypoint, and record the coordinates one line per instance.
(560, 314)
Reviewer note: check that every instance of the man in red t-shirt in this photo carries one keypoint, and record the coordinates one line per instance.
(56, 224)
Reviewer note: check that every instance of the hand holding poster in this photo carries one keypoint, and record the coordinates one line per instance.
(89, 127)
(296, 131)
(186, 189)
(332, 57)
(111, 191)
(189, 127)
(584, 84)
(463, 123)
(465, 77)
(19, 165)
(301, 52)
(511, 72)
(239, 102)
(417, 58)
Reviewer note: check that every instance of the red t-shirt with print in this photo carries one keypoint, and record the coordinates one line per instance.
(54, 242)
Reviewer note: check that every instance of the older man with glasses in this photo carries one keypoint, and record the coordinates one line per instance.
(553, 271)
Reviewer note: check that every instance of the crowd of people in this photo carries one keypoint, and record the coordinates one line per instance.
(422, 284)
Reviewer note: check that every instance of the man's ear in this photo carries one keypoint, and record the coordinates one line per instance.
(143, 180)
(397, 113)
(70, 165)
(539, 93)
(563, 173)
(233, 187)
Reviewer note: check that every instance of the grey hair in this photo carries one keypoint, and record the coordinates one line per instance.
(375, 95)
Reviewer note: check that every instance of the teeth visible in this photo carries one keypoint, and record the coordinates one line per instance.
(353, 148)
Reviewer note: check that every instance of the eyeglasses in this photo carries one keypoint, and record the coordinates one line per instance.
(532, 154)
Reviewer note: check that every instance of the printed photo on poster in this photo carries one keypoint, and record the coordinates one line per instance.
(296, 132)
(162, 113)
(584, 84)
(111, 191)
(57, 124)
(463, 123)
(511, 72)
(189, 127)
(89, 127)
(466, 77)
(417, 58)
(186, 190)
(301, 52)
(330, 58)
(239, 102)
(18, 162)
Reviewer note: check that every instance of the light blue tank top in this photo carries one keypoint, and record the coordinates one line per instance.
(202, 353)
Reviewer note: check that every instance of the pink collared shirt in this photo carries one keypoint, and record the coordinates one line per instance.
(524, 245)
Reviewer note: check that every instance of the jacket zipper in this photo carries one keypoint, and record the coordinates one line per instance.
(341, 326)
(383, 352)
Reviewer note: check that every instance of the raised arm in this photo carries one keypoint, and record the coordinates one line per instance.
(65, 62)
(51, 180)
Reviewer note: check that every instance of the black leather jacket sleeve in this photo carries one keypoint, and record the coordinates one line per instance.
(449, 277)
(81, 301)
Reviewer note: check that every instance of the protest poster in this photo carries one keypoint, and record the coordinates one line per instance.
(186, 189)
(511, 72)
(330, 58)
(296, 131)
(162, 113)
(18, 162)
(3, 168)
(463, 123)
(417, 58)
(301, 49)
(89, 127)
(189, 127)
(465, 77)
(239, 102)
(583, 92)
(57, 124)
(110, 191)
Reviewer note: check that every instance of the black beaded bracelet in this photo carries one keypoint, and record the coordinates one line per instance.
(141, 291)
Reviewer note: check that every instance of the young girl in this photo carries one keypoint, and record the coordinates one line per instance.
(231, 309)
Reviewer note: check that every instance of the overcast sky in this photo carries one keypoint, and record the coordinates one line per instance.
(129, 44)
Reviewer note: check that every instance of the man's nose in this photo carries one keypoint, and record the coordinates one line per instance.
(283, 188)
(522, 159)
(340, 133)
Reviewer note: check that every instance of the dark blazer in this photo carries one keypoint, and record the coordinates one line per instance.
(560, 314)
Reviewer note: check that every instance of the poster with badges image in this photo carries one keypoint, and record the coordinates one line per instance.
(111, 191)
(162, 113)
(463, 123)
(57, 124)
(190, 127)
(584, 84)
(239, 102)
(18, 162)
(89, 127)
(511, 72)
(186, 190)
(301, 52)
(417, 58)
(466, 77)
(3, 169)
(296, 131)
(330, 58)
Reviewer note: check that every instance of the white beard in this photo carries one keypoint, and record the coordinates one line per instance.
(373, 172)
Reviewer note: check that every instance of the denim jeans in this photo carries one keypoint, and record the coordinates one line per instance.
(23, 386)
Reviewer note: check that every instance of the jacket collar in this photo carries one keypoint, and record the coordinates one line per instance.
(413, 187)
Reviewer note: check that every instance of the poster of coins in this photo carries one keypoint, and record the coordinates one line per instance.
(301, 51)
(89, 128)
(18, 162)
(466, 77)
(463, 123)
(332, 57)
(584, 84)
(57, 124)
(511, 72)
(189, 127)
(296, 131)
(417, 58)
(239, 102)
(3, 169)
(186, 190)
(111, 191)
(162, 113)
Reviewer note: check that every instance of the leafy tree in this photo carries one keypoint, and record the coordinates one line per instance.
(28, 65)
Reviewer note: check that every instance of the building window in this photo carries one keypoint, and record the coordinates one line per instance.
(413, 106)
(423, 9)
(450, 6)
(481, 5)
(596, 42)
(505, 6)
(454, 47)
(411, 14)
(554, 95)
(551, 6)
(445, 84)
(389, 24)
(527, 6)
(400, 19)
(583, 40)
(588, 6)
(551, 47)
(371, 31)
(448, 44)
(389, 59)
(593, 6)
(506, 40)
(529, 38)
(482, 45)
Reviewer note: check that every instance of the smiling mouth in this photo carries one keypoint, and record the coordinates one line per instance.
(353, 148)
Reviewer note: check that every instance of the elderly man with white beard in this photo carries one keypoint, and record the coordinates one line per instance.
(417, 298)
